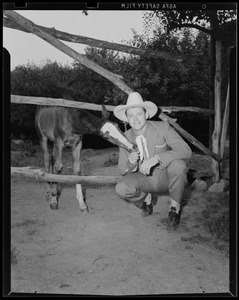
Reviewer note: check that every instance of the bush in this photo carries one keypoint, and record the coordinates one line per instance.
(112, 161)
(27, 148)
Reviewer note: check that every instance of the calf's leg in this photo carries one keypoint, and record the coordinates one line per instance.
(57, 168)
(48, 165)
(76, 151)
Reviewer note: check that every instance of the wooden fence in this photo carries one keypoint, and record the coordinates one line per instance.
(26, 25)
(92, 106)
(41, 175)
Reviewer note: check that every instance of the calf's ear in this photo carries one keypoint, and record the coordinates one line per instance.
(105, 113)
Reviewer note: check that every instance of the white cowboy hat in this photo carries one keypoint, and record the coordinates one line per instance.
(135, 100)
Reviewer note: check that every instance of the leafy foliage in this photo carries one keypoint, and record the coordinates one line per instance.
(172, 19)
(48, 80)
(165, 82)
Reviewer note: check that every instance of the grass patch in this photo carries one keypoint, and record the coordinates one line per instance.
(219, 227)
(26, 147)
(20, 160)
(216, 216)
(187, 247)
(24, 154)
(25, 223)
(14, 254)
(32, 232)
(195, 239)
(222, 247)
(217, 200)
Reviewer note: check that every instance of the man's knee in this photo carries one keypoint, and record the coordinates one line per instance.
(124, 190)
(120, 189)
(177, 167)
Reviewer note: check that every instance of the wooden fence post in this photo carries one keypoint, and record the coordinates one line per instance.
(211, 97)
(117, 80)
(217, 116)
(225, 121)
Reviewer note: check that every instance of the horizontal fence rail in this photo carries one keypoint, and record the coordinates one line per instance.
(50, 37)
(41, 175)
(91, 106)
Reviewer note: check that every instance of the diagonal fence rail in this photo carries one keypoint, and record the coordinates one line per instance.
(116, 79)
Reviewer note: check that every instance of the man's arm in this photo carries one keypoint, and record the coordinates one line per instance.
(179, 148)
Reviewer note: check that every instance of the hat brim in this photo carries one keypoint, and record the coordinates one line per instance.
(120, 111)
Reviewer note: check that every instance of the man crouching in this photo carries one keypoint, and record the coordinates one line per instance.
(158, 166)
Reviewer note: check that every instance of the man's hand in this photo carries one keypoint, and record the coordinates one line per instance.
(133, 157)
(148, 164)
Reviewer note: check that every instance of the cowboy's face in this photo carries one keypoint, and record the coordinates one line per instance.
(137, 117)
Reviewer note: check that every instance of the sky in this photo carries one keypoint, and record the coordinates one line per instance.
(112, 26)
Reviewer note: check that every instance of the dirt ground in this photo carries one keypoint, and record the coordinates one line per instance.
(112, 250)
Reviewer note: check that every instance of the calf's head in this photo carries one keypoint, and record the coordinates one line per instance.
(111, 132)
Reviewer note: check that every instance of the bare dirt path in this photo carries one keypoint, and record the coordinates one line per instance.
(112, 250)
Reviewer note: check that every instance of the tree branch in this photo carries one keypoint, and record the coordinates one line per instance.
(64, 36)
(110, 76)
(174, 26)
(42, 33)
